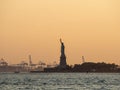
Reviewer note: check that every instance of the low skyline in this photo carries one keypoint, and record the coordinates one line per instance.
(88, 28)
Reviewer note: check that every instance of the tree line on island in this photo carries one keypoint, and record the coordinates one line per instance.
(86, 67)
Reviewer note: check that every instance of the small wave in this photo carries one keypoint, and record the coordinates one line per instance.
(65, 88)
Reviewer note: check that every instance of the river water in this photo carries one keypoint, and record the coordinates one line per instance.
(60, 81)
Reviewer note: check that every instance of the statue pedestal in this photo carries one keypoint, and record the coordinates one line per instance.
(63, 61)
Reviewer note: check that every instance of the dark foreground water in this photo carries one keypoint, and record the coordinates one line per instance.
(60, 81)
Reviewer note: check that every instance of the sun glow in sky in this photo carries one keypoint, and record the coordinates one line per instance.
(87, 27)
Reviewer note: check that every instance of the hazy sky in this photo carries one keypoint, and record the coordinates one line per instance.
(87, 27)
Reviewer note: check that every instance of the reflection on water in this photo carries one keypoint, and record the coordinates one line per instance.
(60, 81)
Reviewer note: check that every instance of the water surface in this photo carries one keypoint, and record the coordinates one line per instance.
(60, 81)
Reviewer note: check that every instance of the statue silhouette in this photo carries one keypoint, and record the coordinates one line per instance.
(62, 57)
(62, 47)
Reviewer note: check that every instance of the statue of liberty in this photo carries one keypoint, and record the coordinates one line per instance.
(62, 47)
(62, 57)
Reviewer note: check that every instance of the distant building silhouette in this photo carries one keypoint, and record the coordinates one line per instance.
(83, 59)
(3, 62)
(63, 63)
(30, 60)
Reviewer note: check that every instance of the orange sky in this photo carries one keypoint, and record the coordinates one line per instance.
(87, 27)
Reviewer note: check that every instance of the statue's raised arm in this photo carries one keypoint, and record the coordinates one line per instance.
(60, 40)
